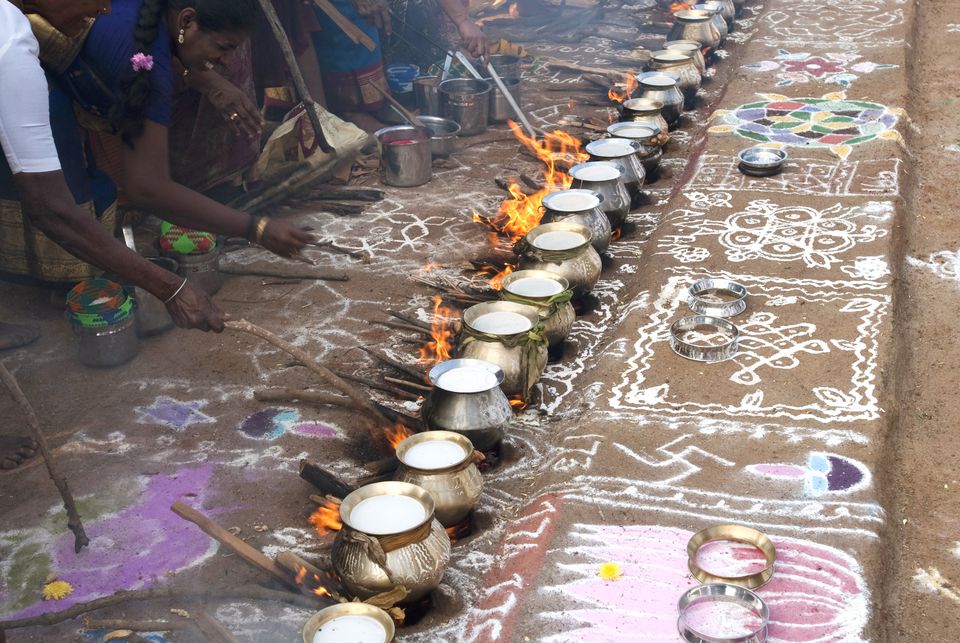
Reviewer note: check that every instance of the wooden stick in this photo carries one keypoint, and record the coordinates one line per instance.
(293, 563)
(246, 592)
(305, 359)
(213, 629)
(137, 626)
(340, 193)
(393, 390)
(314, 397)
(253, 556)
(392, 362)
(353, 32)
(263, 272)
(74, 522)
(295, 74)
(413, 385)
(413, 329)
(382, 466)
(326, 482)
(410, 320)
(411, 118)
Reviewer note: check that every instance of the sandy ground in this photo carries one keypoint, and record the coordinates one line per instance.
(827, 431)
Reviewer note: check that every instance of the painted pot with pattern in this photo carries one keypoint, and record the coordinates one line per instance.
(579, 263)
(414, 559)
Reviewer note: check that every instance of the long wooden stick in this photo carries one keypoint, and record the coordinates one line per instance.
(406, 113)
(364, 403)
(253, 556)
(247, 592)
(409, 370)
(353, 32)
(323, 480)
(74, 522)
(314, 397)
(213, 629)
(295, 74)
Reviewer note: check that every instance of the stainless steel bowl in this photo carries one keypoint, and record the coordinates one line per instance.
(761, 161)
(443, 135)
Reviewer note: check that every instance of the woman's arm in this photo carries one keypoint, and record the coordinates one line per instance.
(146, 181)
(235, 107)
(472, 35)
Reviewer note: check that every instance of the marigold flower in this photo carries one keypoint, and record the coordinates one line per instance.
(56, 590)
(609, 571)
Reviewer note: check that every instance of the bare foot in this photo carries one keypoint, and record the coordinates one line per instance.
(14, 451)
(17, 335)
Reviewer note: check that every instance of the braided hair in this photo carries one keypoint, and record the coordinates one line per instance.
(129, 108)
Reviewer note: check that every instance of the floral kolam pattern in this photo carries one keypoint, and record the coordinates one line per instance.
(835, 68)
(831, 121)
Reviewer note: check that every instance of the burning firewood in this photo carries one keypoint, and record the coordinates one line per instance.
(323, 480)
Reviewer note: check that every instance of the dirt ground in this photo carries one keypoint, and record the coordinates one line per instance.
(828, 431)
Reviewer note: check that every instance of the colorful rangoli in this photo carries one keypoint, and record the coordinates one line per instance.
(831, 121)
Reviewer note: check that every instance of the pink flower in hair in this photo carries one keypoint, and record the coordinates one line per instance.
(141, 61)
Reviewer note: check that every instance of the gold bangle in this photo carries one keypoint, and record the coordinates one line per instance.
(734, 533)
(261, 226)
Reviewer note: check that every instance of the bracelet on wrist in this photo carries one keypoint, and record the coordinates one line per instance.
(176, 292)
(261, 226)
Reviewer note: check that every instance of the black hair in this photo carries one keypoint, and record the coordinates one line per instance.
(128, 111)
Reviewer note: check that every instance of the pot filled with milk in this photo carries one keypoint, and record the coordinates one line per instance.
(467, 399)
(550, 294)
(563, 249)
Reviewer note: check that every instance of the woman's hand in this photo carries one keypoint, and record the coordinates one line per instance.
(235, 107)
(193, 308)
(377, 12)
(474, 41)
(279, 237)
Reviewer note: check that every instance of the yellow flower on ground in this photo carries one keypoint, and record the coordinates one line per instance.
(56, 590)
(609, 571)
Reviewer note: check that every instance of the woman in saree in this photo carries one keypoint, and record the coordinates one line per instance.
(122, 82)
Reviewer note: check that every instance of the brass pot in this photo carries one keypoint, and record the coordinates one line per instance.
(681, 63)
(455, 489)
(521, 355)
(579, 265)
(693, 48)
(371, 564)
(697, 26)
(643, 109)
(556, 312)
(664, 87)
(315, 622)
(587, 211)
(647, 136)
(481, 416)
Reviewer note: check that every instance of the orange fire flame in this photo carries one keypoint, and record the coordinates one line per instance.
(519, 214)
(441, 334)
(326, 518)
(630, 84)
(397, 434)
(496, 280)
(517, 403)
(318, 588)
(615, 234)
(680, 6)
